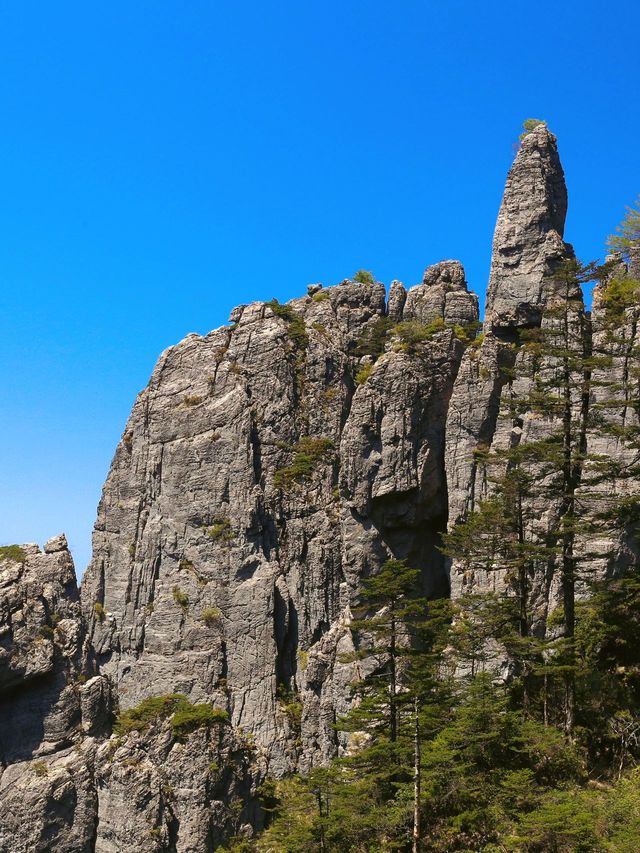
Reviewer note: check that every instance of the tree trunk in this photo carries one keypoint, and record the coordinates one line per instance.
(393, 722)
(416, 781)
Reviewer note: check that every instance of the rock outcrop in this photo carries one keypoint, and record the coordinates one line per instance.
(50, 699)
(67, 785)
(42, 652)
(528, 250)
(442, 294)
(498, 374)
(260, 477)
(264, 471)
(267, 468)
(527, 243)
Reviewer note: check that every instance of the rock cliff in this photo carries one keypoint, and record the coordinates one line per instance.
(527, 249)
(527, 242)
(265, 470)
(259, 478)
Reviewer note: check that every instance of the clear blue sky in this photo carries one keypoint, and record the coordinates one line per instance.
(161, 162)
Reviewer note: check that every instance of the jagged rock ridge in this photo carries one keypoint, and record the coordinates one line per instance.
(527, 242)
(266, 469)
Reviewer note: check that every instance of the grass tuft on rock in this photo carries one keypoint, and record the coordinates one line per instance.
(181, 598)
(364, 277)
(14, 553)
(211, 616)
(185, 716)
(296, 328)
(149, 711)
(308, 453)
(221, 530)
(363, 373)
(412, 333)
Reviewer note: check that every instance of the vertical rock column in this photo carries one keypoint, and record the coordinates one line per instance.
(527, 247)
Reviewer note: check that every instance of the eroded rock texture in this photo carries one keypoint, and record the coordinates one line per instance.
(527, 242)
(259, 481)
(41, 651)
(66, 783)
(497, 371)
(614, 397)
(267, 468)
(49, 701)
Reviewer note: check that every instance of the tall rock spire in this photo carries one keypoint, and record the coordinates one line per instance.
(527, 242)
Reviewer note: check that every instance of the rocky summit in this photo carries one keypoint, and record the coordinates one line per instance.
(265, 471)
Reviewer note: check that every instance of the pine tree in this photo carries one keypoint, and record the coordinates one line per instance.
(389, 605)
(495, 758)
(627, 236)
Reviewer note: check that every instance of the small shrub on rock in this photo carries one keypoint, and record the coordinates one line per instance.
(211, 616)
(364, 277)
(308, 454)
(291, 705)
(181, 598)
(149, 711)
(14, 553)
(221, 531)
(530, 124)
(411, 333)
(295, 323)
(373, 339)
(363, 374)
(187, 718)
(192, 400)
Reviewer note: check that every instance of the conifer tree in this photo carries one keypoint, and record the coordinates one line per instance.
(496, 758)
(627, 236)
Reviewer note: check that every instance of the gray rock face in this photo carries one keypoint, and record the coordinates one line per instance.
(47, 798)
(527, 248)
(615, 401)
(527, 243)
(265, 470)
(442, 294)
(206, 509)
(260, 476)
(66, 785)
(397, 298)
(41, 650)
(49, 804)
(156, 793)
(496, 371)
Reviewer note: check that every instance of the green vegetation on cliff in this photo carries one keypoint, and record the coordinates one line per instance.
(484, 723)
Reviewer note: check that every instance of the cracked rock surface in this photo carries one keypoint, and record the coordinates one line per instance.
(266, 469)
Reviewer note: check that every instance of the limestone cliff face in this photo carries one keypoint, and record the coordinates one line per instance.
(527, 250)
(527, 242)
(265, 470)
(49, 703)
(525, 292)
(259, 478)
(66, 784)
(614, 396)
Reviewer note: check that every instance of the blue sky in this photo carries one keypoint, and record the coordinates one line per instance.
(162, 162)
